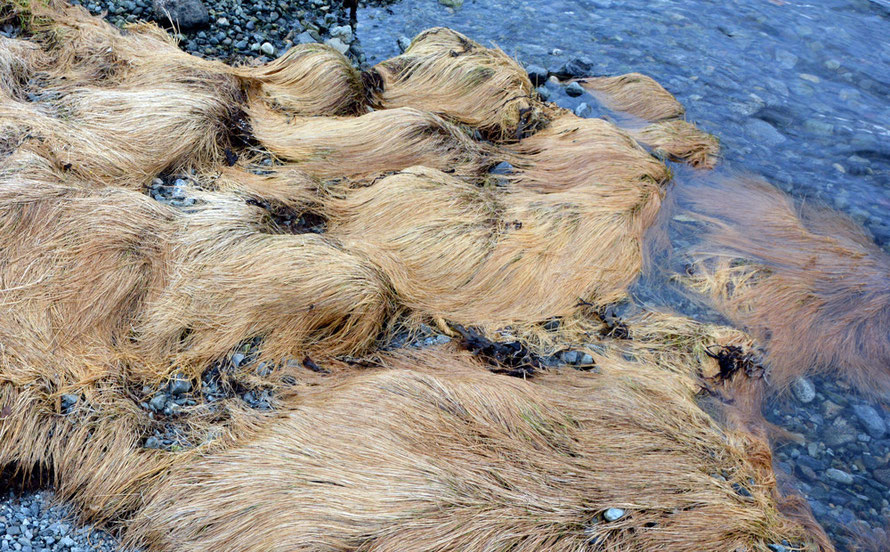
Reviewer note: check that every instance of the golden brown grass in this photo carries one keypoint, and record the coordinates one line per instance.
(309, 79)
(679, 140)
(576, 153)
(446, 73)
(636, 94)
(427, 452)
(105, 292)
(377, 142)
(137, 278)
(497, 256)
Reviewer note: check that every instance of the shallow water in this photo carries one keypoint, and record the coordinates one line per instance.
(797, 92)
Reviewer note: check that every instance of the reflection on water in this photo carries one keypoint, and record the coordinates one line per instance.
(799, 94)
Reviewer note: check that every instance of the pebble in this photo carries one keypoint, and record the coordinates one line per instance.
(537, 74)
(840, 432)
(872, 421)
(180, 385)
(158, 402)
(819, 127)
(764, 133)
(839, 476)
(576, 67)
(613, 514)
(808, 77)
(574, 89)
(337, 44)
(343, 32)
(804, 390)
(583, 110)
(403, 43)
(267, 49)
(503, 168)
(786, 59)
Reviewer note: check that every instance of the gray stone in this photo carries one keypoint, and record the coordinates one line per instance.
(613, 514)
(871, 420)
(882, 476)
(452, 3)
(537, 74)
(237, 359)
(830, 409)
(267, 49)
(574, 89)
(69, 400)
(586, 359)
(786, 59)
(343, 32)
(179, 386)
(570, 357)
(776, 547)
(810, 78)
(764, 133)
(186, 14)
(152, 443)
(305, 38)
(66, 541)
(817, 126)
(839, 476)
(14, 530)
(582, 110)
(804, 390)
(502, 168)
(544, 93)
(839, 433)
(403, 43)
(807, 472)
(158, 402)
(337, 44)
(574, 68)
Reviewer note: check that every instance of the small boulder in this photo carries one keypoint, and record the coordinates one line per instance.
(574, 68)
(267, 49)
(537, 74)
(337, 44)
(839, 476)
(574, 90)
(871, 420)
(185, 14)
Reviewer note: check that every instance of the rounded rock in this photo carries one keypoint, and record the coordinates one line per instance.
(613, 514)
(803, 390)
(872, 421)
(839, 476)
(574, 90)
(267, 49)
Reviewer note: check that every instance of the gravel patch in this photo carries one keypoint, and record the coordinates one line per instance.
(32, 522)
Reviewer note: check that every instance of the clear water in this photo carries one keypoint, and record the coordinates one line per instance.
(798, 92)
